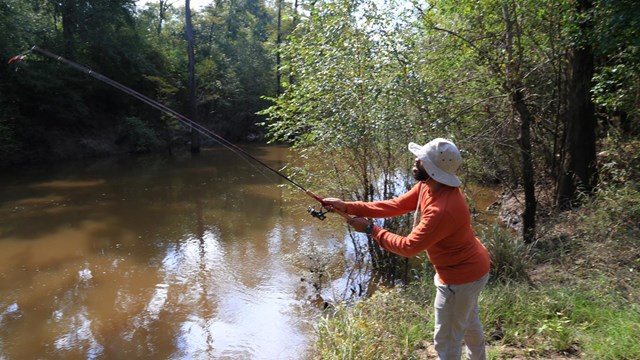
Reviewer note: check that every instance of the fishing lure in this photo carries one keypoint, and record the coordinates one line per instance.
(16, 59)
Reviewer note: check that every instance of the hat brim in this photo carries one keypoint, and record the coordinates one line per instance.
(416, 149)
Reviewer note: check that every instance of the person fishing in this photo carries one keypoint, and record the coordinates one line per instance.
(444, 231)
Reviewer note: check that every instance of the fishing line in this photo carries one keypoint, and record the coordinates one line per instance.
(181, 118)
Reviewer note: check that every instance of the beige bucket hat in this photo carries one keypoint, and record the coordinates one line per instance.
(441, 158)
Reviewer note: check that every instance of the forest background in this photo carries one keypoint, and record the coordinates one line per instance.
(541, 96)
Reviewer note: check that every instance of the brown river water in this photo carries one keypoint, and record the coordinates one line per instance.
(201, 257)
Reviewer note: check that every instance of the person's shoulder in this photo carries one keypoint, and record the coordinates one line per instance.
(453, 190)
(453, 196)
(456, 199)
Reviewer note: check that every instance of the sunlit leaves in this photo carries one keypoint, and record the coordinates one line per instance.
(348, 79)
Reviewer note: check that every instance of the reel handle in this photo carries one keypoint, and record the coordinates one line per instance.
(320, 213)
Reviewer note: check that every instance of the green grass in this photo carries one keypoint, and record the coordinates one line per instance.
(616, 335)
(537, 322)
(564, 320)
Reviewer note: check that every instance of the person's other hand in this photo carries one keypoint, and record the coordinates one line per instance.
(335, 204)
(359, 224)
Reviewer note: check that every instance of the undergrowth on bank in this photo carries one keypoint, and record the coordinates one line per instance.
(574, 294)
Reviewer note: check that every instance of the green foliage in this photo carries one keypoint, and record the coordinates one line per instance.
(613, 336)
(142, 138)
(617, 23)
(607, 81)
(234, 65)
(138, 49)
(347, 96)
(361, 81)
(616, 85)
(617, 45)
(344, 97)
(616, 42)
(609, 232)
(619, 163)
(612, 217)
(476, 69)
(48, 97)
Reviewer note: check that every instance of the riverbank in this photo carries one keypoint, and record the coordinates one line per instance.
(578, 299)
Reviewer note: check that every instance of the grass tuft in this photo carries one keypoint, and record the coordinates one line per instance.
(510, 256)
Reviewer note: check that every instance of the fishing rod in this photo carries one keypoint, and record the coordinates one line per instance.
(319, 214)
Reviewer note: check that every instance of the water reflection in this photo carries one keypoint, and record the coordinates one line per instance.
(183, 258)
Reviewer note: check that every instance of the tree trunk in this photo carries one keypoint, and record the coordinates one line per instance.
(528, 178)
(579, 173)
(162, 13)
(68, 12)
(514, 87)
(195, 136)
(294, 24)
(278, 44)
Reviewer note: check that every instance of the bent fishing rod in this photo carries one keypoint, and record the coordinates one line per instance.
(319, 214)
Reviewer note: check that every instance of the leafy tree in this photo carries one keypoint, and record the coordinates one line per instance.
(234, 47)
(603, 71)
(500, 47)
(344, 101)
(59, 103)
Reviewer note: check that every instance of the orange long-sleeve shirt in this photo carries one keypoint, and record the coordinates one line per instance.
(444, 231)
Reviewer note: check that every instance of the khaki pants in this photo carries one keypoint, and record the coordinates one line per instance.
(457, 319)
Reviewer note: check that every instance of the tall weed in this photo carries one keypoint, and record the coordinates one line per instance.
(510, 256)
(389, 325)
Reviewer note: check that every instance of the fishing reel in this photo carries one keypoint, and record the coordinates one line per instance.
(318, 214)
